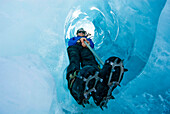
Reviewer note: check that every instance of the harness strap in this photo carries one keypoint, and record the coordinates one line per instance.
(72, 78)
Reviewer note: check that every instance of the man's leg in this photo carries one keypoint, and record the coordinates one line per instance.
(112, 74)
(88, 59)
(76, 84)
(74, 58)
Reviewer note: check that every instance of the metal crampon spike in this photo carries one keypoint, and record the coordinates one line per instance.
(101, 107)
(85, 101)
(104, 102)
(112, 97)
(83, 105)
(116, 60)
(125, 69)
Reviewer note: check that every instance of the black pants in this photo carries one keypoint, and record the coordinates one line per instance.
(78, 54)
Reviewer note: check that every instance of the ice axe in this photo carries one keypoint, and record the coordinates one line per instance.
(94, 53)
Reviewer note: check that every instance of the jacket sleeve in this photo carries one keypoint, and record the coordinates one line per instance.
(91, 43)
(73, 41)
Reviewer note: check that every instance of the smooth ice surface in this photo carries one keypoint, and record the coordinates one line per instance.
(33, 57)
(26, 86)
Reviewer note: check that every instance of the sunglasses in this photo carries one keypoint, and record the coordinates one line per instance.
(82, 32)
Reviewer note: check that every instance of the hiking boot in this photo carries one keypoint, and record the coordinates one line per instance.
(83, 84)
(112, 71)
(112, 74)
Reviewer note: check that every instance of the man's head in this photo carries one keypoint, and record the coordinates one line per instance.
(81, 32)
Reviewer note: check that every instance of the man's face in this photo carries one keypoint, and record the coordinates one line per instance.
(81, 33)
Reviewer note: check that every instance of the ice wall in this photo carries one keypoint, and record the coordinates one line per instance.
(150, 91)
(31, 33)
(25, 86)
(119, 29)
(33, 54)
(136, 38)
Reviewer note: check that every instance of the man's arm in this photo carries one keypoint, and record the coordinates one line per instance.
(73, 41)
(89, 41)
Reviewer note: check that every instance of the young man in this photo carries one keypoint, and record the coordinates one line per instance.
(90, 80)
(79, 53)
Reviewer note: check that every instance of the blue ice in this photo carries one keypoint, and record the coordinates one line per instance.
(33, 57)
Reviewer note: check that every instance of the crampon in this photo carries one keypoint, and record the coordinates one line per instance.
(98, 84)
